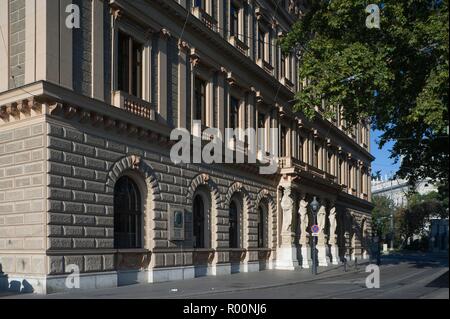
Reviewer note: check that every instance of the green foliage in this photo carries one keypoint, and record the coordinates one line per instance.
(421, 208)
(396, 75)
(381, 215)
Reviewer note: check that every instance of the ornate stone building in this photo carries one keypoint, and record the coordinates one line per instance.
(86, 181)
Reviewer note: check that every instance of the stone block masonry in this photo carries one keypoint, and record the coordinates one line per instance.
(22, 198)
(81, 204)
(16, 43)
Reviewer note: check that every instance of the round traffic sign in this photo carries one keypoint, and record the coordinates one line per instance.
(315, 229)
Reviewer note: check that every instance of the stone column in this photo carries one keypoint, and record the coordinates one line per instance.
(162, 74)
(287, 253)
(182, 83)
(321, 241)
(98, 70)
(304, 235)
(334, 249)
(221, 99)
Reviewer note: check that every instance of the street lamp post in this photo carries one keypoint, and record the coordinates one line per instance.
(314, 208)
(392, 230)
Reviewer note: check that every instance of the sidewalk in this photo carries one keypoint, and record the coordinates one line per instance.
(206, 285)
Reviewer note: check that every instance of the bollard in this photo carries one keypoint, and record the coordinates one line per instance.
(356, 263)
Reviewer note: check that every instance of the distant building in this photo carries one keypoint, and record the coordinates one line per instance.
(397, 189)
(439, 235)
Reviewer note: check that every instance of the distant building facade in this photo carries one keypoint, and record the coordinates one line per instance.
(398, 189)
(86, 178)
(439, 235)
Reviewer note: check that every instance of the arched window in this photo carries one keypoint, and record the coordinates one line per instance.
(261, 227)
(127, 214)
(234, 228)
(199, 222)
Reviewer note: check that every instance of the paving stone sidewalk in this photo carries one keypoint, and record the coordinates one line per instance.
(206, 285)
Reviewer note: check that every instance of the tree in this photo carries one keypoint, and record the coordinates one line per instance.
(376, 176)
(396, 76)
(415, 218)
(381, 215)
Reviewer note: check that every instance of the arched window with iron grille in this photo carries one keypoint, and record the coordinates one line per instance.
(127, 214)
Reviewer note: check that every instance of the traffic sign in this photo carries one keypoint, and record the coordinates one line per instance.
(315, 230)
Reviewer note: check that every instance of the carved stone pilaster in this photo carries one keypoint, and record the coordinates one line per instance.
(334, 249)
(287, 253)
(304, 235)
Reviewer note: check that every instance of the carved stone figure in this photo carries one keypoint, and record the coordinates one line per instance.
(287, 203)
(332, 219)
(321, 215)
(304, 220)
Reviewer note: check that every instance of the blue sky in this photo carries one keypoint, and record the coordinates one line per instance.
(382, 161)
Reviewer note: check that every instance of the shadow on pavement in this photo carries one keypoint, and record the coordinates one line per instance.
(417, 261)
(441, 282)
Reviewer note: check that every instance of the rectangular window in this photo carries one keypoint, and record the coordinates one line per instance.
(234, 20)
(290, 70)
(200, 3)
(300, 148)
(283, 66)
(283, 142)
(361, 181)
(350, 176)
(200, 101)
(316, 155)
(129, 65)
(234, 113)
(261, 133)
(261, 45)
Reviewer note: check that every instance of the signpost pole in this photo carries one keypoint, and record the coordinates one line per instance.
(314, 208)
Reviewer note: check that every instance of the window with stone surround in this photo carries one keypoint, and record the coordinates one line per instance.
(234, 19)
(261, 132)
(283, 66)
(199, 111)
(283, 141)
(199, 222)
(262, 36)
(234, 225)
(129, 65)
(234, 112)
(262, 226)
(127, 214)
(200, 4)
(316, 155)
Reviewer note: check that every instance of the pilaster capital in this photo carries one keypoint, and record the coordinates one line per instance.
(116, 13)
(164, 34)
(183, 46)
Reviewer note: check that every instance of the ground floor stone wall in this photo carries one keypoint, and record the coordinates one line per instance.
(22, 193)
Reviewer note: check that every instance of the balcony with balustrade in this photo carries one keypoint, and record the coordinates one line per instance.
(134, 105)
(205, 17)
(290, 165)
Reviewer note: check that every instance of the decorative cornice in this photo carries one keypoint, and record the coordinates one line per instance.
(20, 110)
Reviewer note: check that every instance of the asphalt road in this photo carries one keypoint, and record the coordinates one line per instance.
(406, 280)
(401, 277)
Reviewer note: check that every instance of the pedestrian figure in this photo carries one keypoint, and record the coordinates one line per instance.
(344, 261)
